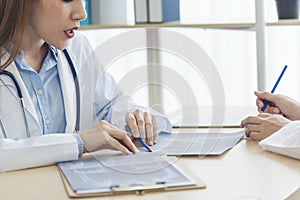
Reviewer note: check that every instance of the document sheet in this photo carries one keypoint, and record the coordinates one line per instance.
(195, 143)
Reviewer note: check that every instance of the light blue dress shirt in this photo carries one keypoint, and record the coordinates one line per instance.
(44, 88)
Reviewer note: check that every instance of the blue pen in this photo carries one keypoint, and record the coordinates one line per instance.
(274, 88)
(139, 139)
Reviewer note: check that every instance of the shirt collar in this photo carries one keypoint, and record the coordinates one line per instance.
(50, 60)
(54, 52)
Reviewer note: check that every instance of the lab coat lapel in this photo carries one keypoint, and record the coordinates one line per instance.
(68, 90)
(27, 100)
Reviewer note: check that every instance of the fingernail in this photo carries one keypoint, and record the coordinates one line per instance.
(136, 134)
(136, 151)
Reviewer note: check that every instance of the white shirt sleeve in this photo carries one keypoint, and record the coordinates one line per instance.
(37, 151)
(285, 141)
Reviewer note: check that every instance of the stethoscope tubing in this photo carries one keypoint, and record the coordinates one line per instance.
(20, 95)
(76, 82)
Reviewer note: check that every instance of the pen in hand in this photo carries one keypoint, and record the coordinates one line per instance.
(144, 144)
(274, 88)
(139, 139)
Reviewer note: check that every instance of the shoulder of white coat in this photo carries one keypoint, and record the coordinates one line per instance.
(80, 40)
(79, 47)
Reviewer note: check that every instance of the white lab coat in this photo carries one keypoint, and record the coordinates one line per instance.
(285, 141)
(99, 96)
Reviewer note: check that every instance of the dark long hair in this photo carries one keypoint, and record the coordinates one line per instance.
(14, 18)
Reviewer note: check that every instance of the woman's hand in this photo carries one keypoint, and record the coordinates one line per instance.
(278, 104)
(262, 126)
(144, 125)
(103, 135)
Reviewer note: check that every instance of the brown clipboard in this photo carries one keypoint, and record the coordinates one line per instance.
(139, 190)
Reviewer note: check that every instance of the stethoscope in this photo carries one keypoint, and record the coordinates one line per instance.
(20, 95)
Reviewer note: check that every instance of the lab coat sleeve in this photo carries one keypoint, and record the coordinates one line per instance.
(37, 151)
(112, 105)
(285, 141)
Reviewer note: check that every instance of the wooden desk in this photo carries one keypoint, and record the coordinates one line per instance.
(244, 172)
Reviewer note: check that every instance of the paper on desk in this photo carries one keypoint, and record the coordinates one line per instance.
(100, 175)
(195, 143)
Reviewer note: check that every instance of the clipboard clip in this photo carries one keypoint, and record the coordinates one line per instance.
(138, 189)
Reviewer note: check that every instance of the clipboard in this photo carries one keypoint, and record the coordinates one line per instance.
(197, 183)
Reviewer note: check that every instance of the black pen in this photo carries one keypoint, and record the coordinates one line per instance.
(139, 139)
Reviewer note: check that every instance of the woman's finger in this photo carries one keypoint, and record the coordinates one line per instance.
(252, 128)
(131, 122)
(140, 123)
(250, 120)
(259, 104)
(122, 136)
(264, 115)
(257, 136)
(115, 144)
(155, 129)
(275, 110)
(149, 128)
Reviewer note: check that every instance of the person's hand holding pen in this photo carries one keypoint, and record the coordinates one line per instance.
(142, 125)
(278, 104)
(273, 112)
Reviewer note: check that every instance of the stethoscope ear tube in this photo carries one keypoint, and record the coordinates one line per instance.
(10, 75)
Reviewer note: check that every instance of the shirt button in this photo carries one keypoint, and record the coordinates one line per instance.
(40, 92)
(47, 121)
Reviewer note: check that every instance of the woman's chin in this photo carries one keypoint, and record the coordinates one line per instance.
(61, 45)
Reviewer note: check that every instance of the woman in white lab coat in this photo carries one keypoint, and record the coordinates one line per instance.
(65, 113)
(278, 128)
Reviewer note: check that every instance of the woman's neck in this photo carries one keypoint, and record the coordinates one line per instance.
(35, 56)
(35, 50)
